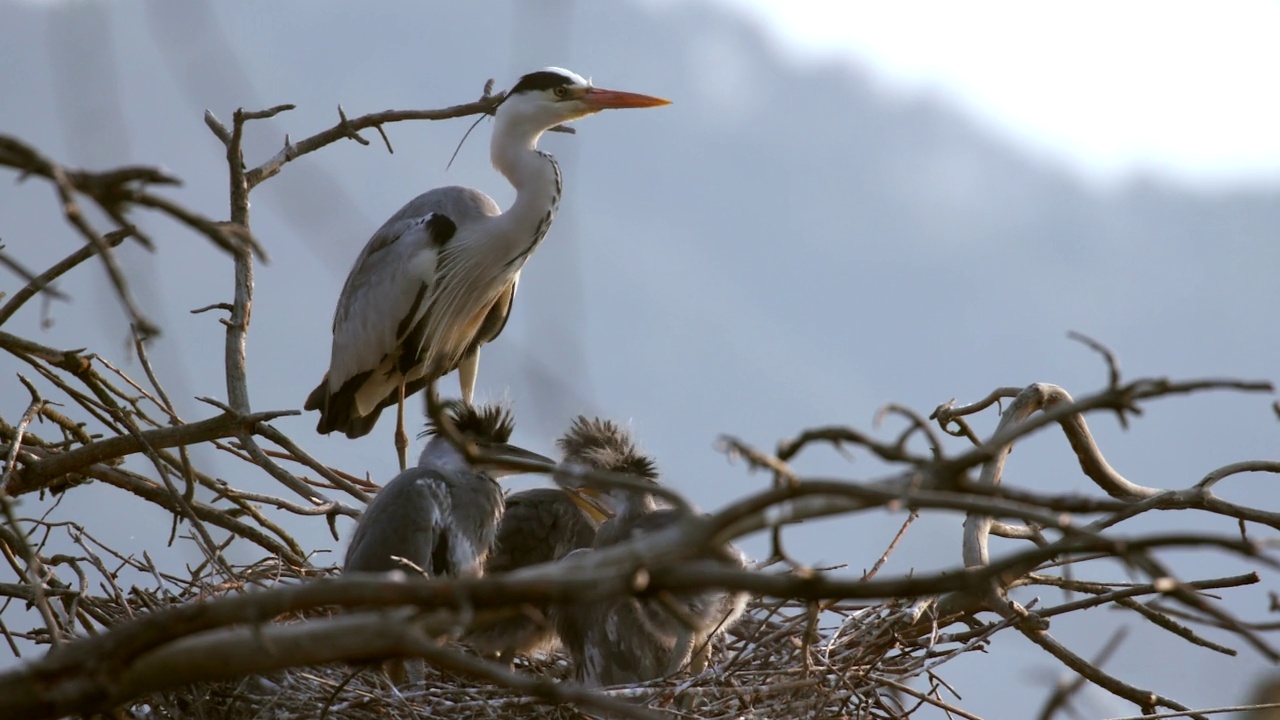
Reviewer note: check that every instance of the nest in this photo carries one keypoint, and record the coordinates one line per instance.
(784, 659)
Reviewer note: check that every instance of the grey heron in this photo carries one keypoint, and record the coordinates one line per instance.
(628, 639)
(540, 525)
(441, 516)
(437, 280)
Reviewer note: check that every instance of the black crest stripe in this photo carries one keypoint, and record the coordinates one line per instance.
(541, 80)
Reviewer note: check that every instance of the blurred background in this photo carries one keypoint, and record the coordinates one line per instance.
(848, 204)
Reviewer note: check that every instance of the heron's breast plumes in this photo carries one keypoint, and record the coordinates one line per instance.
(470, 278)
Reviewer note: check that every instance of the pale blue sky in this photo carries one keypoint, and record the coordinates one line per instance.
(1181, 88)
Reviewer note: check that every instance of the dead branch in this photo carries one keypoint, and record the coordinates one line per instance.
(35, 475)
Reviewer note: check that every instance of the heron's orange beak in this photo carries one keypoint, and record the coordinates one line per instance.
(600, 99)
(584, 498)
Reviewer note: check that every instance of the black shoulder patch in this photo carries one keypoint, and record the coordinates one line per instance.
(441, 228)
(541, 80)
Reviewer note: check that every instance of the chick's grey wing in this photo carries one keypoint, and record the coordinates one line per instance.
(634, 647)
(477, 509)
(706, 609)
(580, 627)
(538, 526)
(622, 528)
(407, 518)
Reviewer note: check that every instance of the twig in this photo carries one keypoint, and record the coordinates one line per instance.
(1061, 697)
(349, 128)
(884, 557)
(550, 691)
(35, 475)
(1201, 711)
(42, 281)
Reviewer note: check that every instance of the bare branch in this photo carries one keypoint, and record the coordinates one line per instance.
(36, 475)
(348, 129)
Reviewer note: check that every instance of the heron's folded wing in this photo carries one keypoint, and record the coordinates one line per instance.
(406, 519)
(385, 294)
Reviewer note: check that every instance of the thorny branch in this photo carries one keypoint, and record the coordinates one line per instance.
(90, 422)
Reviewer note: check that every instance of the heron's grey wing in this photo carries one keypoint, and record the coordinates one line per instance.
(539, 525)
(477, 508)
(579, 626)
(624, 527)
(385, 290)
(709, 611)
(385, 296)
(387, 293)
(407, 518)
(522, 533)
(496, 319)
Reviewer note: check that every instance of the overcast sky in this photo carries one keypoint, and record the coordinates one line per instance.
(1177, 87)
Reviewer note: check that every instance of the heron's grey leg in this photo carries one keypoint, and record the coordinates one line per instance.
(680, 651)
(467, 369)
(394, 669)
(415, 671)
(402, 439)
(394, 672)
(701, 654)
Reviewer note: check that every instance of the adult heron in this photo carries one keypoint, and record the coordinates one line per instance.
(441, 516)
(437, 280)
(628, 639)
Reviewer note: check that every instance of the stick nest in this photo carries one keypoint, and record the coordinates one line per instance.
(784, 659)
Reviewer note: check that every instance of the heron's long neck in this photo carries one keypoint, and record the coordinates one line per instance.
(536, 178)
(440, 455)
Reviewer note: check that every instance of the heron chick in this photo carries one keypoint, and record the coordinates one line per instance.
(628, 640)
(442, 515)
(437, 280)
(540, 525)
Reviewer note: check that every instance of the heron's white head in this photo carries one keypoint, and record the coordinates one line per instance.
(552, 96)
(488, 427)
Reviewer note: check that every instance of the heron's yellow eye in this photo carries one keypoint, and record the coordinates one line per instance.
(561, 91)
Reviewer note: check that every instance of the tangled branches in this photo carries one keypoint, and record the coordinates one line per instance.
(815, 643)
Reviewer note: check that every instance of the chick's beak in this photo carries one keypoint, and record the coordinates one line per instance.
(499, 455)
(601, 99)
(584, 498)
